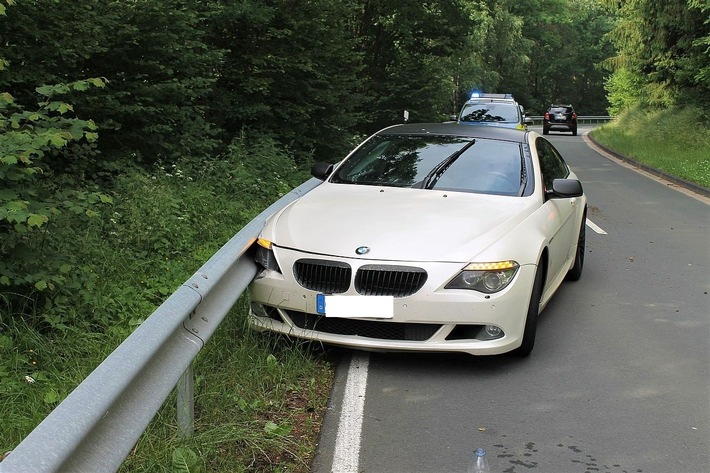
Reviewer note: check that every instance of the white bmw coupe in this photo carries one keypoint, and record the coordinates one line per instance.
(427, 237)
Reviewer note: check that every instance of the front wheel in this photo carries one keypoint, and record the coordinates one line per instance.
(531, 318)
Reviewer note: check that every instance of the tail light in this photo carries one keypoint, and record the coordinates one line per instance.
(547, 115)
(574, 116)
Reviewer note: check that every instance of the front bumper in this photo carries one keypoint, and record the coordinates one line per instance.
(434, 319)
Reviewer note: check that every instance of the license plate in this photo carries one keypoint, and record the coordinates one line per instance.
(378, 307)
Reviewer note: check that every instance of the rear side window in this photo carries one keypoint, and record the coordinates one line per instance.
(552, 164)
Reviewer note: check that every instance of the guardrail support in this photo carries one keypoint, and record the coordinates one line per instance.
(186, 403)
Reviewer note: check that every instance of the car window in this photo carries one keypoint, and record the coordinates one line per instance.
(490, 112)
(561, 110)
(551, 163)
(484, 166)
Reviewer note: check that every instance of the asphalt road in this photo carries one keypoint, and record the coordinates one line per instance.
(619, 380)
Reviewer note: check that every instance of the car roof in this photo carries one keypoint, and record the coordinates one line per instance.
(456, 129)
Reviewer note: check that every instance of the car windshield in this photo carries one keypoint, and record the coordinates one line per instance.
(436, 162)
(500, 112)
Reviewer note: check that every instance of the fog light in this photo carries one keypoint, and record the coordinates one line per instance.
(493, 331)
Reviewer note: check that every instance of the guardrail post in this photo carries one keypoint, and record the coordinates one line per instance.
(186, 402)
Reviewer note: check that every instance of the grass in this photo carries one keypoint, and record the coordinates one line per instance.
(676, 142)
(258, 401)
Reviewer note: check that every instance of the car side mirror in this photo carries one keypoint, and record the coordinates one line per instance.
(321, 170)
(565, 189)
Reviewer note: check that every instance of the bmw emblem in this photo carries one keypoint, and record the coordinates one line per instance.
(362, 250)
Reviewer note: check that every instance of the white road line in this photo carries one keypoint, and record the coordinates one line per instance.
(347, 442)
(596, 228)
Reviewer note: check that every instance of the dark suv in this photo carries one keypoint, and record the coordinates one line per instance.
(560, 117)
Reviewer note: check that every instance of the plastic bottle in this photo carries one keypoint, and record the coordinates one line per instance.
(479, 462)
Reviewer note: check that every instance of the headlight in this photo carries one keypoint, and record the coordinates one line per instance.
(265, 256)
(485, 277)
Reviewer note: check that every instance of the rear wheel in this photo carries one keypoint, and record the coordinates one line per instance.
(575, 271)
(545, 131)
(531, 318)
(574, 131)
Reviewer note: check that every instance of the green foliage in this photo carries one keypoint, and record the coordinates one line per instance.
(186, 78)
(291, 73)
(409, 52)
(38, 370)
(256, 403)
(625, 90)
(542, 51)
(185, 460)
(161, 73)
(665, 45)
(654, 138)
(31, 194)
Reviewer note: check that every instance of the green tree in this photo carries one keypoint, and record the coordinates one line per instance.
(564, 42)
(290, 72)
(160, 73)
(29, 140)
(410, 50)
(508, 49)
(665, 45)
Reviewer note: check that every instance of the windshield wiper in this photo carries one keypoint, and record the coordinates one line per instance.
(434, 175)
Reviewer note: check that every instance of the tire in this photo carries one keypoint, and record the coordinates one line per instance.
(574, 131)
(575, 271)
(545, 131)
(531, 319)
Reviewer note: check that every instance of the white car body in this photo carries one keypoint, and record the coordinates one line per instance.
(437, 231)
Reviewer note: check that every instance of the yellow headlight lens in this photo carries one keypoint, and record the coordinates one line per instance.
(497, 266)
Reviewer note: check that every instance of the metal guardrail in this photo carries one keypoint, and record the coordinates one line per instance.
(97, 425)
(537, 119)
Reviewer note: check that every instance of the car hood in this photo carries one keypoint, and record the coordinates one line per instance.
(396, 224)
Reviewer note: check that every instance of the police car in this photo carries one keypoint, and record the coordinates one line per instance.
(493, 110)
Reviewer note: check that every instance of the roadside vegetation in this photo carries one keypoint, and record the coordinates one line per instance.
(137, 137)
(258, 402)
(675, 141)
(659, 86)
